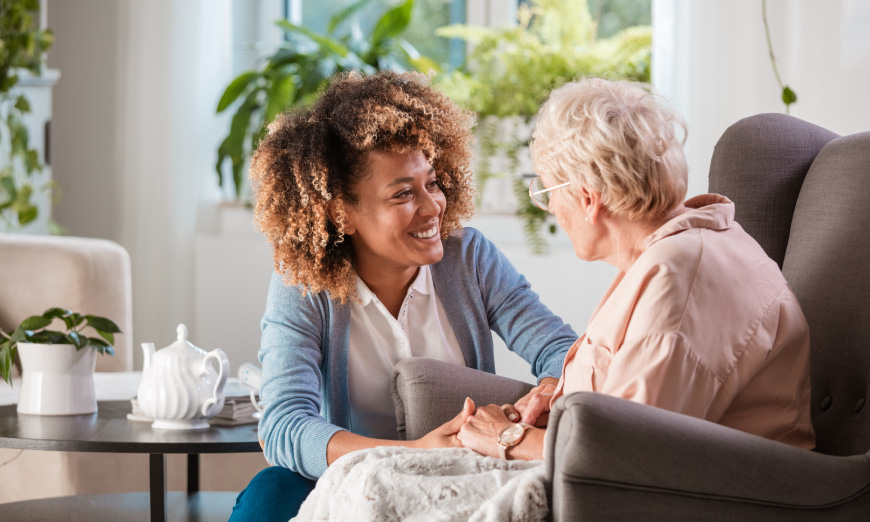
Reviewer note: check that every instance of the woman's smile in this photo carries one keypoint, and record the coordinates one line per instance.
(427, 233)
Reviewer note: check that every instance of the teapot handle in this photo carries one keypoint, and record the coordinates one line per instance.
(223, 373)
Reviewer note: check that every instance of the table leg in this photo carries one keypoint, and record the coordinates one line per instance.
(192, 473)
(157, 473)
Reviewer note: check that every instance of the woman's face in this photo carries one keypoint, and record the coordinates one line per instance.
(571, 216)
(396, 223)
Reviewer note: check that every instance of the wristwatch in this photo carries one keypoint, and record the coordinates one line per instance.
(510, 436)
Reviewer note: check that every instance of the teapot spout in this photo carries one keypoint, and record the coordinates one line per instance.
(147, 354)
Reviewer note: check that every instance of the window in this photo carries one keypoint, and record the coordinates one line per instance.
(427, 16)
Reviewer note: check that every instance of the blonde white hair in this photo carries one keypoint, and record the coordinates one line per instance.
(617, 138)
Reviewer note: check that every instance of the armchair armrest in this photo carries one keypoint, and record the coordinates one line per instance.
(427, 393)
(612, 459)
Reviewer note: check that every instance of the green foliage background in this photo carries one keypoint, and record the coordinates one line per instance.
(22, 46)
(296, 73)
(511, 71)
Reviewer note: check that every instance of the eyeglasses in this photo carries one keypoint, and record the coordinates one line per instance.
(540, 194)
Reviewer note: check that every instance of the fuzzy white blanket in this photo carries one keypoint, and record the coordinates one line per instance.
(434, 485)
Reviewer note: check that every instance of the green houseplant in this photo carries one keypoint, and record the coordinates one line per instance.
(35, 330)
(299, 69)
(511, 71)
(22, 46)
(57, 376)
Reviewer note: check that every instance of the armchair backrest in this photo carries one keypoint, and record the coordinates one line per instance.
(82, 274)
(802, 192)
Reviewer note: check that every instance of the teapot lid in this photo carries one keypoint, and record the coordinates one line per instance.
(181, 342)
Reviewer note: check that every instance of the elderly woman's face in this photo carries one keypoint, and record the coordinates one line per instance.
(396, 222)
(572, 218)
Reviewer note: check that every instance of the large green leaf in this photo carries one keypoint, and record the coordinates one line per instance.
(392, 24)
(53, 313)
(235, 89)
(19, 335)
(233, 145)
(344, 14)
(110, 338)
(281, 96)
(35, 322)
(420, 62)
(102, 324)
(326, 43)
(49, 337)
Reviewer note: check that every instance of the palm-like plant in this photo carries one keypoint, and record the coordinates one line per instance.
(298, 70)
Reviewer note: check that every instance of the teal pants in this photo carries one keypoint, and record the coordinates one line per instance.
(275, 494)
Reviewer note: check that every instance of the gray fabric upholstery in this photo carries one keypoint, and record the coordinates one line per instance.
(759, 163)
(613, 459)
(826, 266)
(428, 393)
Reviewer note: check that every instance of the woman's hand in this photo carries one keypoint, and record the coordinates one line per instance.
(534, 408)
(444, 436)
(480, 432)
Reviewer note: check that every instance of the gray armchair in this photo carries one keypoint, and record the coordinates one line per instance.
(802, 192)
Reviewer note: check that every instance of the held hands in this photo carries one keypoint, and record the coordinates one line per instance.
(534, 408)
(444, 436)
(480, 431)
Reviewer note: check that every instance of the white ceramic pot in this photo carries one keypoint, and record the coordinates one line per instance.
(57, 379)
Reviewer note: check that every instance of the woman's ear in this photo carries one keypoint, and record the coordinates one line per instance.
(332, 208)
(590, 201)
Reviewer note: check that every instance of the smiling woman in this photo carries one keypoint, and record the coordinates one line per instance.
(396, 226)
(361, 198)
(326, 151)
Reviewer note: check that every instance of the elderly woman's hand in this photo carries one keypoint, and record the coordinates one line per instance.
(534, 408)
(444, 436)
(480, 431)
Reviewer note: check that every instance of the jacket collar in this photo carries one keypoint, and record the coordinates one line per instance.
(710, 211)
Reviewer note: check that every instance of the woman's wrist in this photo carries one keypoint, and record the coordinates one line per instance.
(531, 447)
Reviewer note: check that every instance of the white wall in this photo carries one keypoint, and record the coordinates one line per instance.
(711, 59)
(134, 135)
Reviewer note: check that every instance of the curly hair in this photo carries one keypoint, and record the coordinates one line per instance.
(311, 160)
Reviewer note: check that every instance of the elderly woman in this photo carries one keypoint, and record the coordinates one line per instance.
(361, 198)
(698, 320)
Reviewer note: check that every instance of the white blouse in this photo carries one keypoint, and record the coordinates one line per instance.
(378, 341)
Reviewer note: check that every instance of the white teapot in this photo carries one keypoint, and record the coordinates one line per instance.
(180, 389)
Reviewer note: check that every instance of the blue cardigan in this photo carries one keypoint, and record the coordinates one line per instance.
(304, 347)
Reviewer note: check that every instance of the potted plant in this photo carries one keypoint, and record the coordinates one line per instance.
(298, 70)
(511, 71)
(22, 47)
(57, 366)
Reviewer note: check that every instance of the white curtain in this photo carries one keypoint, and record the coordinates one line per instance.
(178, 59)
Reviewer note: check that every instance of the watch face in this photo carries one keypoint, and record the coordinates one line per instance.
(511, 434)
